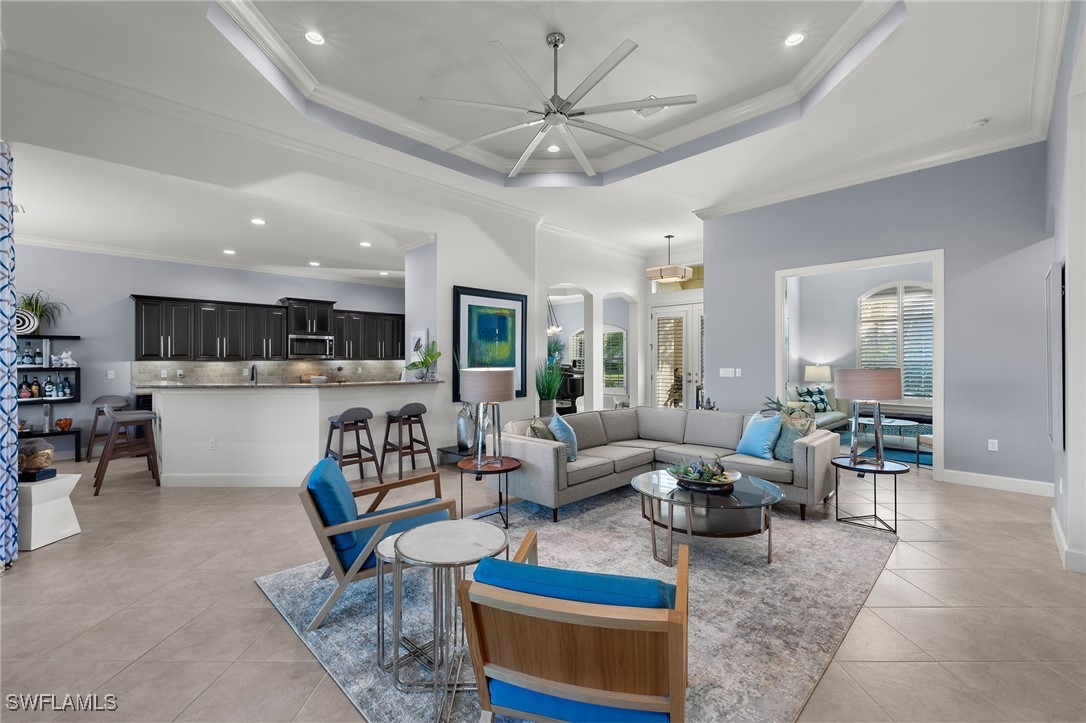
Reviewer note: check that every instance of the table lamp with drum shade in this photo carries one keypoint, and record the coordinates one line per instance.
(487, 387)
(868, 386)
(816, 373)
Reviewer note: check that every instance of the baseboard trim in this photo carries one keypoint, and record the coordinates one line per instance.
(231, 480)
(1073, 560)
(1005, 484)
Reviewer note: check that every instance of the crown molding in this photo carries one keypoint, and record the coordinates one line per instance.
(1051, 35)
(874, 173)
(271, 43)
(74, 81)
(596, 244)
(416, 243)
(23, 239)
(830, 54)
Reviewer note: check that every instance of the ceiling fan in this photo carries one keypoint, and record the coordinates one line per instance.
(559, 114)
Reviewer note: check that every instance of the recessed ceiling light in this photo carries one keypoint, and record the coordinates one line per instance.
(314, 263)
(229, 252)
(314, 37)
(553, 149)
(977, 124)
(382, 273)
(257, 221)
(794, 39)
(365, 244)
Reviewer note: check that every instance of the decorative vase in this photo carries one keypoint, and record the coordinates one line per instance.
(465, 427)
(419, 374)
(546, 408)
(431, 375)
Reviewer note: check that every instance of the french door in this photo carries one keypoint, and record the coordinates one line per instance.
(678, 343)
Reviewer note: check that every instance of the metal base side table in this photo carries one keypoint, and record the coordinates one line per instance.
(491, 465)
(862, 468)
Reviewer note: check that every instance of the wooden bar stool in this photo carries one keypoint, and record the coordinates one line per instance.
(122, 442)
(410, 416)
(355, 419)
(114, 402)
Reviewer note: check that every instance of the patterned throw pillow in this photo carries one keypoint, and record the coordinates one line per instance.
(792, 428)
(815, 396)
(540, 430)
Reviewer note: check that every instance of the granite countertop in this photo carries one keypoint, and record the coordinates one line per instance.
(152, 387)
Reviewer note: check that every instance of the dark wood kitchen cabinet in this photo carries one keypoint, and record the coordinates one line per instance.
(219, 331)
(308, 316)
(163, 329)
(266, 332)
(348, 330)
(383, 336)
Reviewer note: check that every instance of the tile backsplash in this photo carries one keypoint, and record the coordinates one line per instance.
(269, 372)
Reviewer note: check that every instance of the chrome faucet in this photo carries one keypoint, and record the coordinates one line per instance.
(252, 374)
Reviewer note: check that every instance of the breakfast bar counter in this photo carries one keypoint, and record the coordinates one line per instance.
(260, 435)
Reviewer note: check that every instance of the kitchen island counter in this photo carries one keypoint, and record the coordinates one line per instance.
(245, 435)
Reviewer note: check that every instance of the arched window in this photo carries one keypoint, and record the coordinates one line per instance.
(614, 357)
(897, 329)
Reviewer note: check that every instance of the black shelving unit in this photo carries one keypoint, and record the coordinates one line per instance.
(41, 371)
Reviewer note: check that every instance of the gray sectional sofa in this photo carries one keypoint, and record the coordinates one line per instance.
(616, 445)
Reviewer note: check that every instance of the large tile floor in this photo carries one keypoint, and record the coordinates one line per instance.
(155, 602)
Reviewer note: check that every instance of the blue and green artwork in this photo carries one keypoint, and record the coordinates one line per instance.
(491, 336)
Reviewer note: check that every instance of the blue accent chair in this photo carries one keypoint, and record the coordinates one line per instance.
(348, 537)
(550, 644)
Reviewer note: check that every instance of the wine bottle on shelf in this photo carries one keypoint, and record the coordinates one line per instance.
(24, 389)
(35, 389)
(50, 388)
(66, 388)
(37, 356)
(28, 355)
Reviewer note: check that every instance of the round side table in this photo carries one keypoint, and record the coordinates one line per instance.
(491, 465)
(862, 468)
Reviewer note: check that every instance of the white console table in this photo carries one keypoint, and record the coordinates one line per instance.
(45, 511)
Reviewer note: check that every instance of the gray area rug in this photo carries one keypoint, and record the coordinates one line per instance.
(760, 635)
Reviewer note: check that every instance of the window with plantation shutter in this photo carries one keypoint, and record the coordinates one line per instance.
(897, 329)
(576, 349)
(669, 361)
(614, 357)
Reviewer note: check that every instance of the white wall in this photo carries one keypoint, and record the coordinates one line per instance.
(420, 292)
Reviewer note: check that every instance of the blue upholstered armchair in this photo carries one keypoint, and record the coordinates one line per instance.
(349, 538)
(551, 644)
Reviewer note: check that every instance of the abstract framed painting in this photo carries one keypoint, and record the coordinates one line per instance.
(490, 330)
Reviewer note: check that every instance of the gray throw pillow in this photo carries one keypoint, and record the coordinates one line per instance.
(792, 428)
(539, 429)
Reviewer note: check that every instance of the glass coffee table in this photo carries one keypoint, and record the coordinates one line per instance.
(747, 510)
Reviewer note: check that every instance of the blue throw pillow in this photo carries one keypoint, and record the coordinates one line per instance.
(589, 587)
(564, 433)
(760, 436)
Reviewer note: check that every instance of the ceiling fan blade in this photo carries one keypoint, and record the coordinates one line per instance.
(612, 133)
(612, 60)
(478, 104)
(508, 57)
(494, 134)
(636, 105)
(576, 148)
(528, 151)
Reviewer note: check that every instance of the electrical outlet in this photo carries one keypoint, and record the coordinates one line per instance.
(162, 373)
(738, 372)
(993, 445)
(1059, 483)
(212, 444)
(180, 373)
(245, 372)
(110, 374)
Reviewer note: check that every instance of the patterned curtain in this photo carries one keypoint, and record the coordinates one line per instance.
(9, 406)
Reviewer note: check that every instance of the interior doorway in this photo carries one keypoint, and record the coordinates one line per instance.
(678, 366)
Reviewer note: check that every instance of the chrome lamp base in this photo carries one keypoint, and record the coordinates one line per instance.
(854, 451)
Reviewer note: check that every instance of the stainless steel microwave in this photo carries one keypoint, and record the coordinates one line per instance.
(306, 346)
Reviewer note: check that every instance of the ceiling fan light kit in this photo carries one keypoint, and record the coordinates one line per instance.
(669, 273)
(558, 114)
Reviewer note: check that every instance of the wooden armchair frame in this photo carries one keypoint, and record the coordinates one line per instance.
(624, 657)
(345, 576)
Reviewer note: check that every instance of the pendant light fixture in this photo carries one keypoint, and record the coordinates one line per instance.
(670, 273)
(553, 327)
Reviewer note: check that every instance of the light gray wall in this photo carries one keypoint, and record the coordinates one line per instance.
(988, 214)
(616, 312)
(1056, 196)
(827, 313)
(420, 293)
(96, 288)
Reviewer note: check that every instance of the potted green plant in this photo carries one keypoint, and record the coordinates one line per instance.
(427, 361)
(40, 305)
(548, 377)
(556, 349)
(776, 405)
